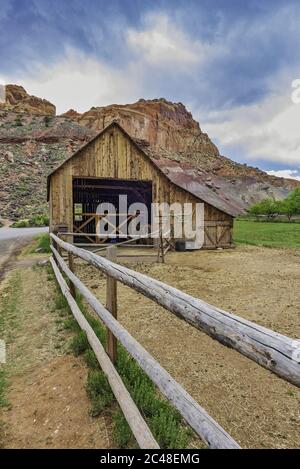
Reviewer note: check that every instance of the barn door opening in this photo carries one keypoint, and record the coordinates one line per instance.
(89, 193)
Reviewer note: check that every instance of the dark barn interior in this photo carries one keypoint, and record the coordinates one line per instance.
(88, 193)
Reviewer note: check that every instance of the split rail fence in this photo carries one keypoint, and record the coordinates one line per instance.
(267, 348)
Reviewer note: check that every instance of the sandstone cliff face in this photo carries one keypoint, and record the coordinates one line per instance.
(33, 141)
(18, 100)
(160, 122)
(71, 113)
(170, 127)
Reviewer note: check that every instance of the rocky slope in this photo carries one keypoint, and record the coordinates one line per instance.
(18, 100)
(170, 127)
(33, 140)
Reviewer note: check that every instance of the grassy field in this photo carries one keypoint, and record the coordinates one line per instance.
(267, 234)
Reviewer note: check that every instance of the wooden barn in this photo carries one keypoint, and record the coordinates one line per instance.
(114, 163)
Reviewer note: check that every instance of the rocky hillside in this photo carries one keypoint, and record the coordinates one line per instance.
(33, 140)
(18, 100)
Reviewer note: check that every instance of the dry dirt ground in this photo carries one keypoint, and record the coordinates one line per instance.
(47, 396)
(256, 407)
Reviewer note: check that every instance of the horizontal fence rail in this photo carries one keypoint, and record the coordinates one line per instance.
(203, 424)
(269, 349)
(136, 422)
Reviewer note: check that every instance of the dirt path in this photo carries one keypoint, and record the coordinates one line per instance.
(257, 408)
(49, 405)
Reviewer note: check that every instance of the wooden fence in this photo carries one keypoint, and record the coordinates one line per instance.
(137, 424)
(269, 349)
(202, 423)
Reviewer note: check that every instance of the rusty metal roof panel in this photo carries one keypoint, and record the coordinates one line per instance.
(208, 187)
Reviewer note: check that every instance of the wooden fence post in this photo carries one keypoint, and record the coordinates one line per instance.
(111, 305)
(71, 267)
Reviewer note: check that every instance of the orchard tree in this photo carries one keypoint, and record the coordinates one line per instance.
(294, 200)
(268, 207)
(286, 208)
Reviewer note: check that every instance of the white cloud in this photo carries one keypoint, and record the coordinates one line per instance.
(286, 173)
(80, 82)
(266, 130)
(162, 42)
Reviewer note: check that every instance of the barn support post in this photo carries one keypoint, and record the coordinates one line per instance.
(161, 252)
(71, 267)
(111, 304)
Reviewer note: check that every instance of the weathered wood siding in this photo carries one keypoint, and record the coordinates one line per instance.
(113, 155)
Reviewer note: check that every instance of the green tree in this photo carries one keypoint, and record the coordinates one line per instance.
(294, 200)
(268, 207)
(286, 208)
(255, 210)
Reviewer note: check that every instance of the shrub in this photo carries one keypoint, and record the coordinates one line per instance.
(18, 122)
(163, 419)
(97, 384)
(36, 220)
(79, 343)
(60, 303)
(21, 224)
(164, 426)
(39, 220)
(91, 360)
(121, 430)
(99, 391)
(71, 324)
(47, 120)
(43, 243)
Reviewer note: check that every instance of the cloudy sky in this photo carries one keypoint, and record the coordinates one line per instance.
(231, 62)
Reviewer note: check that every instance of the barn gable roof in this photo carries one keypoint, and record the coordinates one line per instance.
(182, 174)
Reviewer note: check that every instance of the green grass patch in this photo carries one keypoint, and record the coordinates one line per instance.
(79, 343)
(71, 324)
(121, 430)
(163, 419)
(90, 359)
(99, 392)
(41, 244)
(269, 234)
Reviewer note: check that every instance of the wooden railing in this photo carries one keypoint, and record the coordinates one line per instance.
(202, 423)
(267, 348)
(137, 424)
